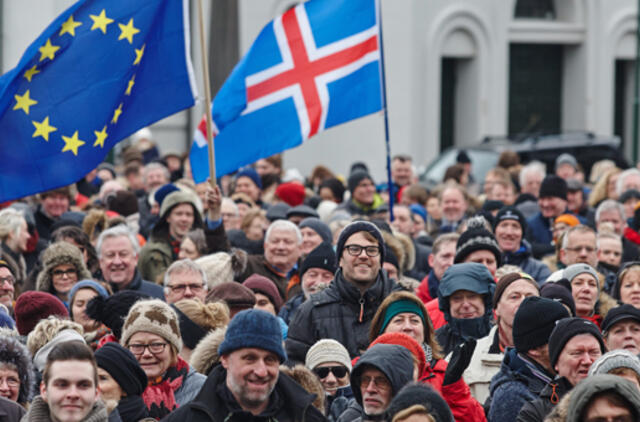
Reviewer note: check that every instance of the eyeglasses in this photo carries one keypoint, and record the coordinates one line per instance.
(155, 348)
(8, 280)
(588, 249)
(381, 383)
(323, 372)
(181, 288)
(60, 273)
(356, 250)
(12, 382)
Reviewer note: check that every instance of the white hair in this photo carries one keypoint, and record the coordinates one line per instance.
(184, 266)
(10, 222)
(155, 166)
(228, 201)
(117, 231)
(533, 167)
(610, 205)
(283, 225)
(628, 172)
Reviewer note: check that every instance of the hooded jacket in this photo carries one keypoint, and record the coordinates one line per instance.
(205, 356)
(339, 312)
(523, 258)
(60, 253)
(215, 403)
(16, 354)
(537, 410)
(583, 393)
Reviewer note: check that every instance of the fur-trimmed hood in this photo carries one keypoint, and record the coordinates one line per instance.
(57, 254)
(307, 380)
(15, 353)
(205, 355)
(560, 412)
(605, 303)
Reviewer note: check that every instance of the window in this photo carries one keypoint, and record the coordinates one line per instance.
(535, 9)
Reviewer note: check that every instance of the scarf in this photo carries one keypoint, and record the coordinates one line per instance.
(159, 396)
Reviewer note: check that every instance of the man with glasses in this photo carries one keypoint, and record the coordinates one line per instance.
(344, 310)
(579, 246)
(184, 279)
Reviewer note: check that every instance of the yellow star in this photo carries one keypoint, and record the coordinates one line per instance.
(131, 83)
(139, 53)
(69, 27)
(24, 102)
(128, 31)
(48, 51)
(100, 137)
(72, 143)
(29, 73)
(116, 114)
(43, 129)
(101, 21)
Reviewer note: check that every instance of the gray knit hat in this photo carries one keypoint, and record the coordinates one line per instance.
(572, 271)
(327, 350)
(152, 316)
(615, 359)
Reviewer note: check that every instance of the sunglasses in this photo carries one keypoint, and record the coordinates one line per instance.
(338, 371)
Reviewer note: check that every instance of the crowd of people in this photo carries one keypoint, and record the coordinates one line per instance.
(136, 294)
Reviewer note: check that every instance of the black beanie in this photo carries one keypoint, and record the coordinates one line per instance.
(560, 291)
(322, 256)
(391, 257)
(477, 238)
(190, 332)
(534, 321)
(423, 395)
(123, 368)
(510, 213)
(463, 157)
(553, 186)
(113, 310)
(355, 227)
(355, 178)
(565, 330)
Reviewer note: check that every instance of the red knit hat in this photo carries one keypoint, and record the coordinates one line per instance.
(408, 342)
(32, 306)
(292, 193)
(261, 284)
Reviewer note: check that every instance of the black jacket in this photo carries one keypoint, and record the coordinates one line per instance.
(335, 313)
(537, 410)
(215, 403)
(138, 284)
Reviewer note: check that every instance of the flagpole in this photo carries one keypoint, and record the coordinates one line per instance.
(383, 82)
(207, 96)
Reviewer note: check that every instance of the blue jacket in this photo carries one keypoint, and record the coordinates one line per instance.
(148, 288)
(522, 258)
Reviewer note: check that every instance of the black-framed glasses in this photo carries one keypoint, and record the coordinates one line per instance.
(323, 372)
(60, 273)
(155, 348)
(356, 250)
(181, 288)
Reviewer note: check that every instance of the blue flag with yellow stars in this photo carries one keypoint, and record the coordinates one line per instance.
(102, 70)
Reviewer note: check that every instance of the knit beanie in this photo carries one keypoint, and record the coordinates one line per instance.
(390, 257)
(553, 186)
(568, 219)
(291, 193)
(123, 202)
(565, 330)
(123, 367)
(560, 293)
(566, 158)
(322, 256)
(163, 191)
(152, 316)
(508, 279)
(620, 313)
(399, 307)
(511, 213)
(572, 271)
(534, 321)
(302, 211)
(253, 328)
(463, 157)
(234, 294)
(181, 197)
(32, 306)
(423, 395)
(251, 174)
(615, 359)
(477, 238)
(406, 341)
(190, 332)
(629, 194)
(355, 227)
(327, 350)
(261, 284)
(355, 178)
(317, 226)
(111, 311)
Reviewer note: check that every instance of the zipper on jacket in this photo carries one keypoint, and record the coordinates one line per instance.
(361, 301)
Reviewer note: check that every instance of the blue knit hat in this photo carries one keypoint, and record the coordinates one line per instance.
(251, 174)
(87, 284)
(253, 328)
(355, 227)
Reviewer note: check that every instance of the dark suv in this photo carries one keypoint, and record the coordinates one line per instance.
(586, 147)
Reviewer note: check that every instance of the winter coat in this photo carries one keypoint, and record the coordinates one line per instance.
(10, 411)
(43, 223)
(539, 234)
(428, 289)
(355, 208)
(421, 267)
(205, 356)
(145, 287)
(39, 412)
(289, 309)
(537, 410)
(436, 315)
(238, 239)
(14, 353)
(339, 312)
(257, 264)
(215, 403)
(511, 388)
(485, 364)
(523, 259)
(191, 385)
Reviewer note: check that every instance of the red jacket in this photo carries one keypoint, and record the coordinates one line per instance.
(436, 315)
(457, 395)
(595, 318)
(422, 291)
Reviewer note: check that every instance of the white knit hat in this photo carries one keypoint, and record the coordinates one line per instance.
(152, 316)
(327, 350)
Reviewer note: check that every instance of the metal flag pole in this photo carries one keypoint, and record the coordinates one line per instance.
(207, 96)
(383, 88)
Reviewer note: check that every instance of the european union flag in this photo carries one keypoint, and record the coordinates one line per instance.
(102, 70)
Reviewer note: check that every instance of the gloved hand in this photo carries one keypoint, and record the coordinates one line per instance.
(460, 359)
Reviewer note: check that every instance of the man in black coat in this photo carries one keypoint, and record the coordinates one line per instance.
(247, 386)
(344, 310)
